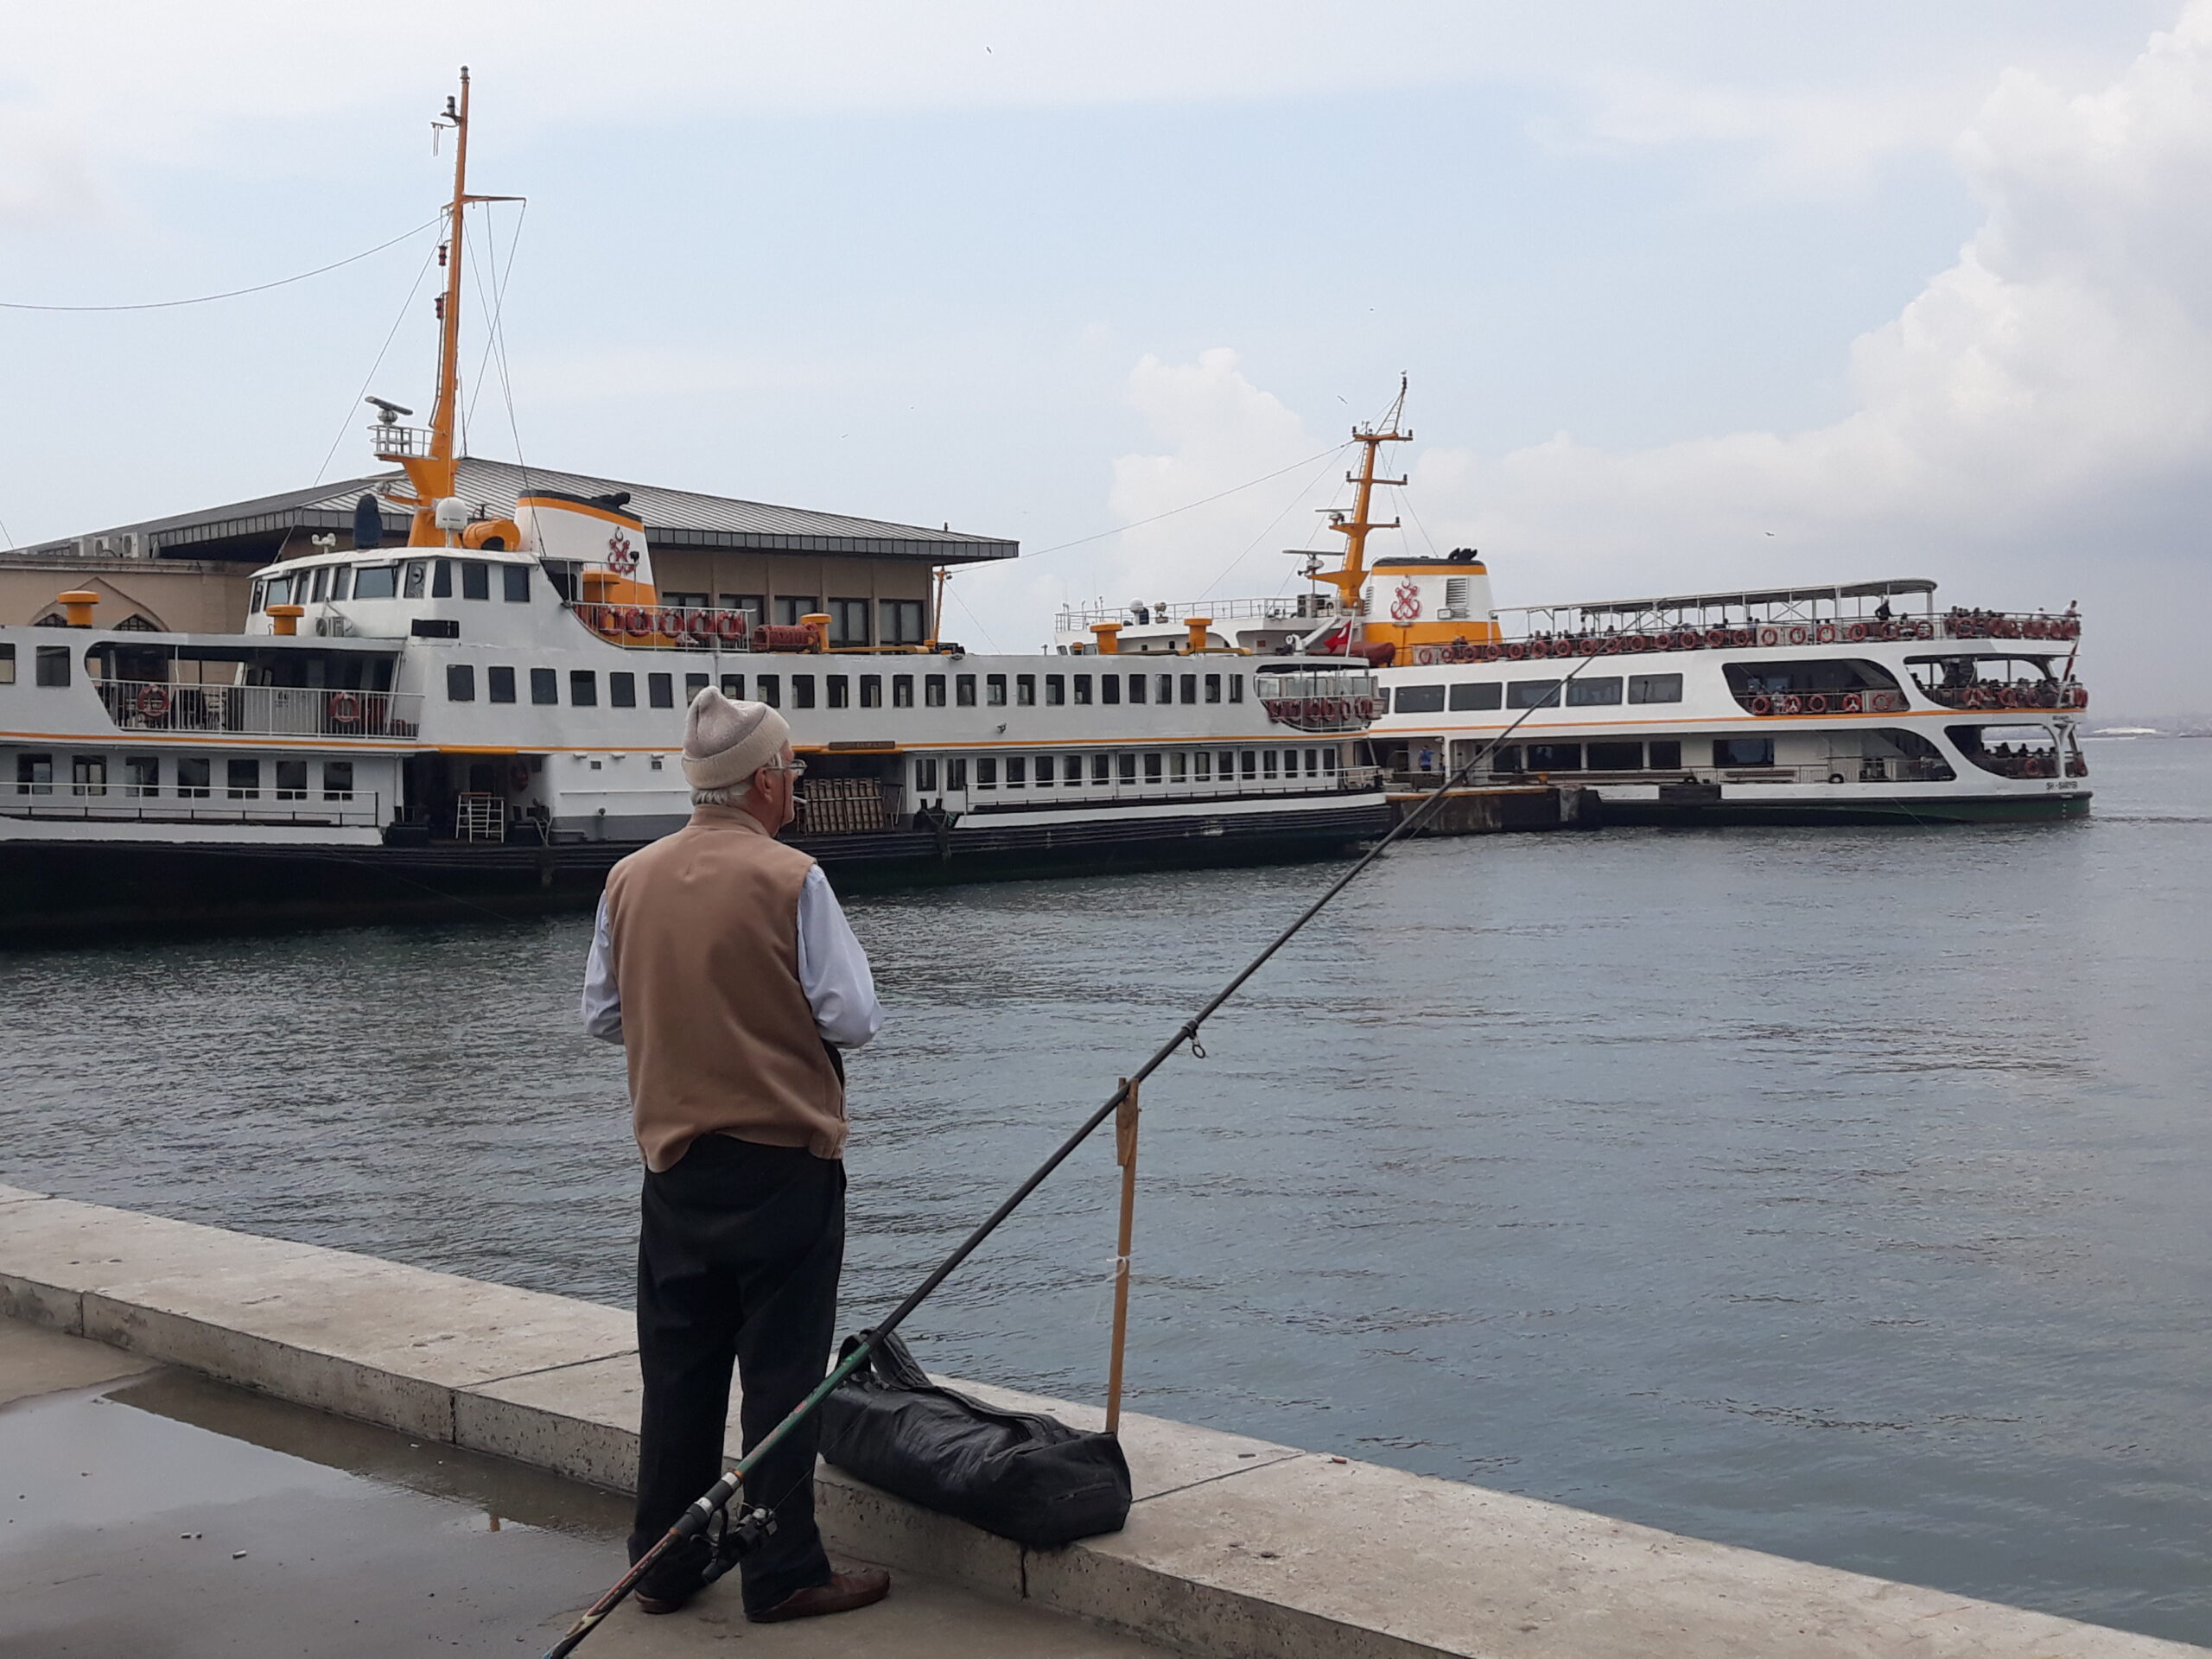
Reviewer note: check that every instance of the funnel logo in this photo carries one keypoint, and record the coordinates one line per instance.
(1404, 603)
(621, 558)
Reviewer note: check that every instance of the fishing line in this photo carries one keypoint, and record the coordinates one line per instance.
(1189, 506)
(695, 1519)
(404, 305)
(208, 299)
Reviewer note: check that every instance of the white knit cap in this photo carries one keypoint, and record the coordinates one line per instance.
(725, 743)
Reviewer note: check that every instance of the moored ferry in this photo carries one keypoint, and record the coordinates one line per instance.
(491, 713)
(1859, 702)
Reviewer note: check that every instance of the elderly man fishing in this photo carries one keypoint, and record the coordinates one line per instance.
(724, 967)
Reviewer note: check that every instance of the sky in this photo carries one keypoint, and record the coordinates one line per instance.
(1689, 298)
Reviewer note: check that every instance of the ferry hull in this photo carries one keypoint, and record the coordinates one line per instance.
(2006, 808)
(65, 888)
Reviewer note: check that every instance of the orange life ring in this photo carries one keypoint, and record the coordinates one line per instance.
(1797, 636)
(1816, 704)
(345, 708)
(1424, 655)
(733, 625)
(1889, 630)
(1793, 705)
(697, 622)
(1762, 705)
(1825, 633)
(1769, 637)
(1516, 651)
(1923, 629)
(669, 621)
(1857, 631)
(1492, 652)
(1715, 638)
(1743, 636)
(152, 701)
(636, 623)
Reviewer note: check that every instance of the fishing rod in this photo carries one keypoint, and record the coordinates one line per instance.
(752, 1524)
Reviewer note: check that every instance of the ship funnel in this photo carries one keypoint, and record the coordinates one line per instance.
(590, 530)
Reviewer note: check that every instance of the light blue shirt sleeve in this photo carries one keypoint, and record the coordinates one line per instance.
(833, 969)
(602, 1004)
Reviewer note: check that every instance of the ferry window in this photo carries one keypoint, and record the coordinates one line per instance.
(256, 598)
(375, 581)
(1109, 688)
(141, 774)
(562, 575)
(1655, 688)
(1178, 767)
(500, 684)
(338, 780)
(52, 665)
(902, 690)
(898, 621)
(1667, 755)
(242, 780)
(194, 775)
(682, 601)
(291, 780)
(769, 690)
(660, 690)
(1136, 688)
(442, 579)
(802, 690)
(924, 774)
(753, 604)
(1125, 768)
(1267, 763)
(476, 579)
(1044, 772)
(1190, 687)
(416, 570)
(7, 664)
(1083, 687)
(34, 774)
(987, 772)
(1056, 690)
(933, 690)
(1593, 694)
(1507, 758)
(583, 688)
(340, 576)
(1328, 760)
(321, 585)
(514, 583)
(1237, 688)
(849, 622)
(1554, 757)
(544, 687)
(963, 690)
(1213, 688)
(733, 687)
(955, 775)
(1477, 694)
(1024, 690)
(1165, 692)
(871, 690)
(88, 774)
(1017, 772)
(461, 682)
(791, 607)
(1154, 764)
(1101, 768)
(1532, 694)
(841, 690)
(995, 690)
(1249, 757)
(1313, 763)
(621, 689)
(1201, 766)
(1227, 765)
(1743, 751)
(1419, 699)
(278, 592)
(1617, 757)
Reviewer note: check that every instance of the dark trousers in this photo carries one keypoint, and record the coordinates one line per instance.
(738, 1249)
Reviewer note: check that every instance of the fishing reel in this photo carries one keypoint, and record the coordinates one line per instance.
(733, 1537)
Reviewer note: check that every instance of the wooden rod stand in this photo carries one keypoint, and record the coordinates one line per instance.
(1125, 1155)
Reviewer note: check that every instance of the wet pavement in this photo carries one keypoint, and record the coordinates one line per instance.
(150, 1511)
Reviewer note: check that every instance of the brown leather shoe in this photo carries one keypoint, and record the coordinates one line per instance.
(859, 1588)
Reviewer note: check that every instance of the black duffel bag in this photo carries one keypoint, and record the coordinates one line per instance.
(1016, 1473)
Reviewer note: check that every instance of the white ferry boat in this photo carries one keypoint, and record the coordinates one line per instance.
(1859, 702)
(491, 714)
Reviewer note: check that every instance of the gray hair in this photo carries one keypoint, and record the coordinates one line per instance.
(732, 795)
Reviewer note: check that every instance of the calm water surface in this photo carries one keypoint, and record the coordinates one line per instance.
(1838, 1192)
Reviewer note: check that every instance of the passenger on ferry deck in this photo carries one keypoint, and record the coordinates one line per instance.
(722, 963)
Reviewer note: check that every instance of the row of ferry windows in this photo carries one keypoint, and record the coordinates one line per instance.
(1581, 693)
(961, 773)
(387, 581)
(837, 689)
(193, 778)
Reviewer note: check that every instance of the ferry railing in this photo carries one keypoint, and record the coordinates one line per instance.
(260, 710)
(1863, 700)
(1689, 634)
(73, 803)
(1844, 769)
(1997, 695)
(1347, 780)
(1289, 609)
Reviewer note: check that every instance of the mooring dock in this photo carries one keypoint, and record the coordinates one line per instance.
(476, 1399)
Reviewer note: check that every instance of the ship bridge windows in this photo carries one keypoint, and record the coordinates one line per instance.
(902, 690)
(1137, 687)
(341, 579)
(442, 579)
(376, 582)
(995, 690)
(1109, 688)
(963, 690)
(802, 690)
(319, 584)
(840, 687)
(1082, 689)
(1056, 690)
(475, 579)
(411, 587)
(769, 689)
(514, 583)
(1024, 690)
(871, 690)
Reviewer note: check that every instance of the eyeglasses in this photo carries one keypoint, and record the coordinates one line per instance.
(797, 768)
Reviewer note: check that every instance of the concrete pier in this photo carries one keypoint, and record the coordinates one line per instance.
(1234, 1548)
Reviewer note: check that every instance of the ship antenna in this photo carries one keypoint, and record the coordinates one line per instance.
(1350, 577)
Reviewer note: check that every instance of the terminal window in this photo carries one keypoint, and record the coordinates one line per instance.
(900, 621)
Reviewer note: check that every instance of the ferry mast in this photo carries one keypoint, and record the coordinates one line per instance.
(1351, 576)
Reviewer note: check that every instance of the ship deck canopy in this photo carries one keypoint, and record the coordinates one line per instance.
(1791, 602)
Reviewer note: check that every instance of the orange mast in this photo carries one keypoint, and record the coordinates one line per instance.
(1349, 578)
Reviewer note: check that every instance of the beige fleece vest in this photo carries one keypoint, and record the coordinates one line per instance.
(703, 932)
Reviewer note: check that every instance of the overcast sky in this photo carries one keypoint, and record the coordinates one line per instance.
(1691, 296)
